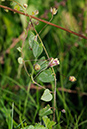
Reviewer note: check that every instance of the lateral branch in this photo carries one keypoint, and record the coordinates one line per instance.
(14, 10)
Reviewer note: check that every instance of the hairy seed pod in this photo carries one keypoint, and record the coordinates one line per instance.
(37, 67)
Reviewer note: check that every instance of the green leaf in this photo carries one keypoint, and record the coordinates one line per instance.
(20, 60)
(31, 39)
(28, 127)
(46, 76)
(38, 126)
(43, 63)
(47, 96)
(17, 7)
(19, 49)
(48, 123)
(45, 111)
(36, 47)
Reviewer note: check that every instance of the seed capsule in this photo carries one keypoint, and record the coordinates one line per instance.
(37, 67)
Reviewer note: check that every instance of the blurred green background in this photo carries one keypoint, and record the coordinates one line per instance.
(15, 91)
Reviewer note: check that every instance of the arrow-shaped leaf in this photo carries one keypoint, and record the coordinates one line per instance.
(47, 96)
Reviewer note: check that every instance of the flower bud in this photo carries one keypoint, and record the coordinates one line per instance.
(36, 12)
(25, 5)
(63, 111)
(37, 67)
(20, 60)
(36, 22)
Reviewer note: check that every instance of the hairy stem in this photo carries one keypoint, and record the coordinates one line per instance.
(14, 10)
(39, 39)
(52, 70)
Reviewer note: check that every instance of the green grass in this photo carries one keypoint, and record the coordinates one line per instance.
(19, 104)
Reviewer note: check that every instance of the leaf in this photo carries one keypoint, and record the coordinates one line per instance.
(6, 10)
(36, 47)
(48, 123)
(46, 76)
(43, 62)
(31, 127)
(17, 7)
(45, 111)
(47, 96)
(19, 49)
(38, 126)
(20, 60)
(31, 39)
(28, 127)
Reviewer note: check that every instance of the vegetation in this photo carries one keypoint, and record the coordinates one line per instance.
(36, 92)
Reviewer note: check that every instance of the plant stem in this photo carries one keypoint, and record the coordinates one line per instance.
(46, 25)
(14, 10)
(37, 83)
(52, 71)
(26, 70)
(39, 39)
(54, 94)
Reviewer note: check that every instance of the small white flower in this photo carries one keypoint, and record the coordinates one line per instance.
(53, 11)
(72, 79)
(54, 62)
(63, 111)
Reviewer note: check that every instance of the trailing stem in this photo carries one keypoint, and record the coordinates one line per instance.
(52, 69)
(13, 10)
